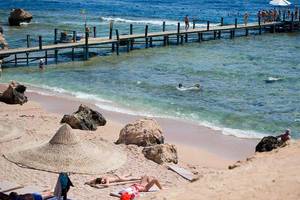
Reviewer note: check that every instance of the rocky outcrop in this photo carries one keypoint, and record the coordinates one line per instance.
(14, 94)
(268, 144)
(161, 153)
(85, 119)
(144, 132)
(18, 16)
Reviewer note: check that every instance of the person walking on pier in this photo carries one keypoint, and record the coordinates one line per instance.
(187, 22)
(246, 17)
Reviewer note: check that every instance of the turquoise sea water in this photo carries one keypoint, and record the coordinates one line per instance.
(234, 95)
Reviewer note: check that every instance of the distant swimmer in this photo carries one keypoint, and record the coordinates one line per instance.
(41, 64)
(183, 88)
(273, 79)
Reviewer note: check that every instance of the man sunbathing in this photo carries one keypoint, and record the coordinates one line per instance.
(107, 180)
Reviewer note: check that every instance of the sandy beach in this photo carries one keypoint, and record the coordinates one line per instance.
(200, 149)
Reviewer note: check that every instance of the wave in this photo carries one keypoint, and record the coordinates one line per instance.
(111, 106)
(157, 22)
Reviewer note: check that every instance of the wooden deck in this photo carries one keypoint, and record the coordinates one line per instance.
(146, 37)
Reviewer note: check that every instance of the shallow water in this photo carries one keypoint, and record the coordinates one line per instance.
(232, 73)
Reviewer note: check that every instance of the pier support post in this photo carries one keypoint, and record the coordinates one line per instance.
(46, 57)
(151, 42)
(27, 58)
(86, 52)
(95, 33)
(131, 40)
(222, 21)
(292, 22)
(215, 35)
(178, 32)
(200, 37)
(74, 37)
(274, 29)
(146, 36)
(56, 55)
(118, 41)
(208, 25)
(259, 24)
(55, 36)
(181, 39)
(40, 43)
(219, 34)
(72, 54)
(247, 31)
(16, 60)
(28, 41)
(186, 38)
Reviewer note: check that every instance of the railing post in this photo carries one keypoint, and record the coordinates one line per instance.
(40, 43)
(55, 36)
(178, 32)
(208, 25)
(110, 30)
(194, 24)
(235, 23)
(74, 36)
(131, 32)
(86, 53)
(259, 24)
(164, 26)
(146, 36)
(28, 41)
(118, 41)
(292, 23)
(222, 21)
(95, 34)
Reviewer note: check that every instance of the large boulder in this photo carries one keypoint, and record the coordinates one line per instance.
(14, 94)
(18, 16)
(143, 132)
(268, 144)
(85, 119)
(161, 153)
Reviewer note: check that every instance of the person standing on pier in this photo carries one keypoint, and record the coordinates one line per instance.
(0, 68)
(187, 22)
(246, 16)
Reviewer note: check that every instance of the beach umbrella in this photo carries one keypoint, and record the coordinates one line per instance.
(65, 152)
(280, 3)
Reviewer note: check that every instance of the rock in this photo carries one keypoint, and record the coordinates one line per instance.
(267, 144)
(85, 119)
(143, 132)
(14, 94)
(161, 153)
(18, 16)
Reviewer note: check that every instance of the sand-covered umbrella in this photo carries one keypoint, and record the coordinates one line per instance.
(65, 152)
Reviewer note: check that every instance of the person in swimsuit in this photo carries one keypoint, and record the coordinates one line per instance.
(187, 22)
(283, 138)
(106, 180)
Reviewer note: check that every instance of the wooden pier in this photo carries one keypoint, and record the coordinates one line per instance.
(22, 56)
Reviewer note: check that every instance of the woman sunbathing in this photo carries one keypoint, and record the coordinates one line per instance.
(107, 180)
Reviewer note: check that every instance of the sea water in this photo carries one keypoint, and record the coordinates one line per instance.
(234, 95)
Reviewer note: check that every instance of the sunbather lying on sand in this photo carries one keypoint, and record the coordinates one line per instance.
(29, 196)
(144, 185)
(107, 180)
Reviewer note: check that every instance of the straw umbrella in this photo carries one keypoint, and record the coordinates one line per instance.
(65, 152)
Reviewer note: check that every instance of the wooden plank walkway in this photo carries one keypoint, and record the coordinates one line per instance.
(145, 38)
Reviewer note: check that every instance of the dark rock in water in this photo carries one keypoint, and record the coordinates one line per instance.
(143, 132)
(161, 153)
(268, 144)
(18, 16)
(14, 94)
(85, 119)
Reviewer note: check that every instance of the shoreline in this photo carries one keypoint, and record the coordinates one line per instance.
(208, 141)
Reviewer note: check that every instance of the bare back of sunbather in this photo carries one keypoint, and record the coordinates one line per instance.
(107, 180)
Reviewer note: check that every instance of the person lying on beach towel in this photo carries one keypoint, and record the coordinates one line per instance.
(107, 180)
(144, 185)
(16, 196)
